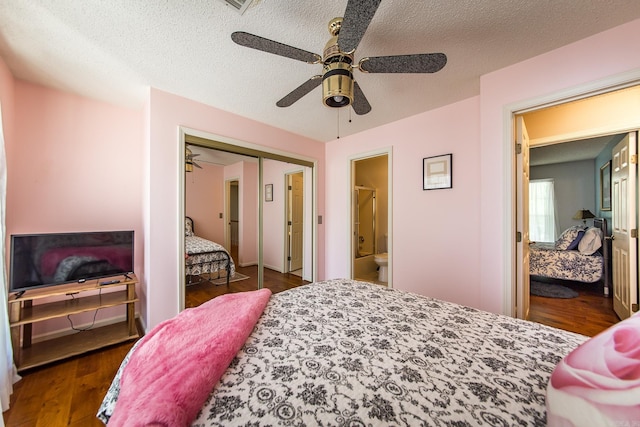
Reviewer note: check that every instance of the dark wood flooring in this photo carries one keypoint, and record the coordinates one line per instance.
(277, 282)
(588, 314)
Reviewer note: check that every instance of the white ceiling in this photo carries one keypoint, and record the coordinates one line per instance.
(113, 50)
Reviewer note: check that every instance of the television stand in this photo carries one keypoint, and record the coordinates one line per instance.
(23, 313)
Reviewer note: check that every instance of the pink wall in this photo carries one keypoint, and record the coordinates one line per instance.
(204, 201)
(167, 113)
(275, 243)
(246, 173)
(435, 234)
(248, 195)
(73, 165)
(456, 244)
(77, 164)
(554, 76)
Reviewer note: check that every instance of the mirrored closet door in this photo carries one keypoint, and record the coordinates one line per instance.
(256, 207)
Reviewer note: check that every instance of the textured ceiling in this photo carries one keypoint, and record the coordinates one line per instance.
(584, 149)
(112, 50)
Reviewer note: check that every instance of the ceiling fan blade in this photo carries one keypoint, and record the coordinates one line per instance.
(196, 165)
(357, 17)
(418, 63)
(270, 46)
(300, 91)
(360, 104)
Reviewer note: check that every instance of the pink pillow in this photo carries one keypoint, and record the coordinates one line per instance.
(598, 383)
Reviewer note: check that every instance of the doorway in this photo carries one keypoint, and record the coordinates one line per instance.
(232, 217)
(371, 242)
(585, 118)
(294, 223)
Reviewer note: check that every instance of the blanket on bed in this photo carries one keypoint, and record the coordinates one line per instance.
(177, 364)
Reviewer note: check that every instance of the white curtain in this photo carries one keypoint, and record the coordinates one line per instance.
(542, 211)
(8, 373)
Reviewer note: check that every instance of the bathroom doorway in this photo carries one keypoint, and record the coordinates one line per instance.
(370, 212)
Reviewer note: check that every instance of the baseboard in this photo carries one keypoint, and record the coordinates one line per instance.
(247, 264)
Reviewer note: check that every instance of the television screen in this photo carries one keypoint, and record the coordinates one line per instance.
(39, 260)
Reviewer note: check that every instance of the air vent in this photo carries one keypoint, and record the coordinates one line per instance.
(238, 5)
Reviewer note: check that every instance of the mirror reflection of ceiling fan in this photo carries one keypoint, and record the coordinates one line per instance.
(188, 160)
(339, 89)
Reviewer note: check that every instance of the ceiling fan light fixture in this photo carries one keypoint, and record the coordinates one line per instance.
(188, 160)
(337, 85)
(339, 89)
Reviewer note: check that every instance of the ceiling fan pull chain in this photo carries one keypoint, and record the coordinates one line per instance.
(338, 123)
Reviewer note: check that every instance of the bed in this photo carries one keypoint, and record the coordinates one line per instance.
(73, 256)
(343, 352)
(203, 257)
(580, 254)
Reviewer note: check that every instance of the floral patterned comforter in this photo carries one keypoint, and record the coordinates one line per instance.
(343, 352)
(205, 256)
(545, 260)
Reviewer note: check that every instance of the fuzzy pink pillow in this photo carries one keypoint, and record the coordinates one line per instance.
(176, 365)
(598, 383)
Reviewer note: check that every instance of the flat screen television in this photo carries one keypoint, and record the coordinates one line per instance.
(39, 260)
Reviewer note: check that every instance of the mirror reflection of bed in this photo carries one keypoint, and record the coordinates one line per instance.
(221, 197)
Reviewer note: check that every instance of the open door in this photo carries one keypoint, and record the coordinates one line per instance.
(625, 233)
(231, 240)
(295, 220)
(522, 225)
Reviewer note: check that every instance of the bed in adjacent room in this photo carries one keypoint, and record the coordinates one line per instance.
(204, 258)
(339, 352)
(580, 254)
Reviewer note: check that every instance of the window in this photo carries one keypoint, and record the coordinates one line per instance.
(542, 211)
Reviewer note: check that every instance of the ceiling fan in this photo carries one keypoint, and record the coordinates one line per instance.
(339, 89)
(188, 160)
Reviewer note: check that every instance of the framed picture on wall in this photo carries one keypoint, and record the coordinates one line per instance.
(268, 193)
(436, 172)
(605, 187)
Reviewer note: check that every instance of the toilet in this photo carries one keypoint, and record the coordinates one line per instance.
(383, 266)
(383, 263)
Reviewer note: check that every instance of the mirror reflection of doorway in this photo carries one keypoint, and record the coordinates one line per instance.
(233, 218)
(295, 222)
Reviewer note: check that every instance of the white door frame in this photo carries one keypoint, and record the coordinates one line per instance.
(227, 212)
(388, 151)
(287, 180)
(624, 212)
(509, 112)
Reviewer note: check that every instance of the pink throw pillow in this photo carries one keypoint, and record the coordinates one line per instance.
(598, 383)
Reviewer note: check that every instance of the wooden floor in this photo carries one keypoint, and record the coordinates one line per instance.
(69, 393)
(277, 282)
(66, 393)
(588, 314)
